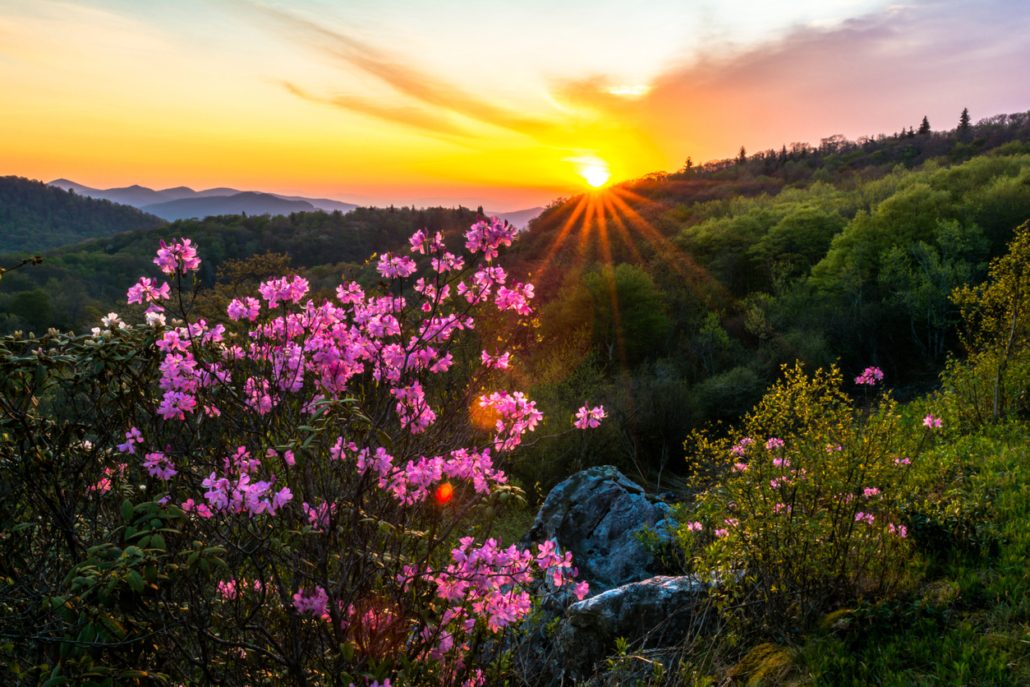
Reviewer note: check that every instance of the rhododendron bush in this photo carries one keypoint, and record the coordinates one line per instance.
(302, 493)
(804, 509)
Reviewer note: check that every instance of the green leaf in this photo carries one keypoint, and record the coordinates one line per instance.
(135, 581)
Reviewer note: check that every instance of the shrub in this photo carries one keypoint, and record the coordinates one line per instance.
(284, 498)
(805, 511)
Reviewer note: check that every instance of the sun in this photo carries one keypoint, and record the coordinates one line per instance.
(594, 170)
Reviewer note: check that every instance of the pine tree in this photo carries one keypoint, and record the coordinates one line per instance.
(963, 121)
(742, 157)
(924, 127)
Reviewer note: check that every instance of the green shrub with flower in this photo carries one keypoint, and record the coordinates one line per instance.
(803, 510)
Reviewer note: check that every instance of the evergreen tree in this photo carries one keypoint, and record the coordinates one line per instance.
(924, 127)
(963, 121)
(742, 156)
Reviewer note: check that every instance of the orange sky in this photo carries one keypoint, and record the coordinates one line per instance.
(495, 103)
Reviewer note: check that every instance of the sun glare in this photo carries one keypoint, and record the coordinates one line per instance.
(594, 170)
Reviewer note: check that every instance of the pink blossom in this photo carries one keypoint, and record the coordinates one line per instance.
(179, 255)
(589, 418)
(740, 467)
(773, 443)
(932, 422)
(487, 237)
(782, 508)
(870, 492)
(897, 530)
(871, 376)
(314, 603)
(159, 465)
(395, 267)
(243, 309)
(740, 448)
(694, 526)
(146, 291)
(495, 362)
(132, 437)
(904, 460)
(867, 518)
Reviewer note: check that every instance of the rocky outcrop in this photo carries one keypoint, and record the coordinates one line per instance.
(657, 612)
(598, 515)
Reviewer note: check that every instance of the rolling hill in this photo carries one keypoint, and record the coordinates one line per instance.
(36, 217)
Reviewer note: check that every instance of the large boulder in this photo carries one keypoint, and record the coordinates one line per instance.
(598, 514)
(658, 612)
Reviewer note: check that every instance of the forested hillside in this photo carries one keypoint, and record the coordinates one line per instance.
(76, 285)
(35, 217)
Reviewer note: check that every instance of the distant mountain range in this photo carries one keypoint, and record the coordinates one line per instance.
(182, 202)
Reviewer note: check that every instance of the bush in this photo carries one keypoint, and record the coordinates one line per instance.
(288, 497)
(805, 513)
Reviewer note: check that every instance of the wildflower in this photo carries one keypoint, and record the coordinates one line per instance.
(897, 530)
(311, 602)
(694, 526)
(773, 443)
(867, 518)
(870, 377)
(589, 418)
(932, 422)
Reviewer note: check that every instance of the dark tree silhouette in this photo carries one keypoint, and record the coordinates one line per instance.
(924, 127)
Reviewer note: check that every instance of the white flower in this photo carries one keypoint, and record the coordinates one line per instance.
(110, 320)
(95, 331)
(155, 319)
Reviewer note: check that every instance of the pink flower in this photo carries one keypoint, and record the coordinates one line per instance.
(158, 465)
(178, 255)
(740, 448)
(694, 526)
(870, 492)
(740, 467)
(897, 530)
(146, 291)
(870, 377)
(904, 460)
(589, 418)
(782, 508)
(395, 267)
(311, 602)
(867, 518)
(245, 309)
(132, 437)
(773, 443)
(496, 362)
(932, 422)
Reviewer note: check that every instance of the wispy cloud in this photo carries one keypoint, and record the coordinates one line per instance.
(871, 74)
(408, 81)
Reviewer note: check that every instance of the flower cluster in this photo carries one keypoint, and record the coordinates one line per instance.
(871, 376)
(589, 418)
(283, 359)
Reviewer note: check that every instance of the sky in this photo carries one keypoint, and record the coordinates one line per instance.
(502, 104)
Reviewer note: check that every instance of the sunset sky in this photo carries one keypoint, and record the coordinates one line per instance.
(503, 104)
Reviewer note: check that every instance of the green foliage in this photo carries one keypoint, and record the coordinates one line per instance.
(806, 512)
(994, 380)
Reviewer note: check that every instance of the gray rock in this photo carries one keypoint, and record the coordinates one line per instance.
(654, 616)
(597, 514)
